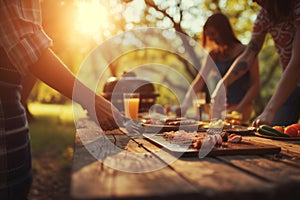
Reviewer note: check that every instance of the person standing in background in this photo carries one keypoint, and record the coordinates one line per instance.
(280, 18)
(226, 48)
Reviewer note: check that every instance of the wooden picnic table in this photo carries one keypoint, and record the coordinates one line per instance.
(113, 165)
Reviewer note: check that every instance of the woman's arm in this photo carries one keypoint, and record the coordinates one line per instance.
(253, 90)
(286, 85)
(243, 63)
(197, 84)
(54, 73)
(195, 87)
(239, 67)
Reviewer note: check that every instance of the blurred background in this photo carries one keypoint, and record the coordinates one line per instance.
(78, 27)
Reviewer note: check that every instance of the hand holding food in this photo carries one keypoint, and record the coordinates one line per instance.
(265, 118)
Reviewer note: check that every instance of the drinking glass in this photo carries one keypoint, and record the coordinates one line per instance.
(198, 103)
(131, 105)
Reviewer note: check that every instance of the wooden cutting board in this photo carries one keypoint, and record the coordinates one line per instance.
(242, 148)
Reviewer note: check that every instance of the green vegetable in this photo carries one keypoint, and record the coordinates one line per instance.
(268, 130)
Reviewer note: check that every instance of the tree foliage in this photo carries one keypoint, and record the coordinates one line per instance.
(184, 16)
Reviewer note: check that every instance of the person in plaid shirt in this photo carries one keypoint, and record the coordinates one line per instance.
(24, 49)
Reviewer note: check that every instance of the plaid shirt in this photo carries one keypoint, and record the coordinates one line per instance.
(21, 33)
(283, 33)
(22, 41)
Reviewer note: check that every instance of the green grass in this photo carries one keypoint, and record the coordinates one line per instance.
(52, 134)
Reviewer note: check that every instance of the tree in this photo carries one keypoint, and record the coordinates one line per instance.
(186, 17)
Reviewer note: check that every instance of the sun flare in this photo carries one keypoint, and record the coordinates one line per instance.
(91, 17)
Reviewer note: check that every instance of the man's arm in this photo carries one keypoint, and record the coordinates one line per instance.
(54, 73)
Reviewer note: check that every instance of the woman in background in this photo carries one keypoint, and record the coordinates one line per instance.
(225, 49)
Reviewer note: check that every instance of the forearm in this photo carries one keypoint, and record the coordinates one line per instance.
(238, 69)
(284, 89)
(253, 89)
(195, 87)
(248, 98)
(199, 82)
(243, 63)
(289, 79)
(54, 73)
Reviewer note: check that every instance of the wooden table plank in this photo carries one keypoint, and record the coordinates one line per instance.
(112, 165)
(290, 150)
(212, 177)
(287, 146)
(256, 182)
(285, 179)
(219, 180)
(94, 178)
(272, 171)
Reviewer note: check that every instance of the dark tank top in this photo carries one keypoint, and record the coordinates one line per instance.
(237, 90)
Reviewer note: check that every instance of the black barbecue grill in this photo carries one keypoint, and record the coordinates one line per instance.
(114, 89)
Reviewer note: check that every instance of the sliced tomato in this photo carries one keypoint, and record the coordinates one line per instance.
(279, 128)
(297, 126)
(291, 131)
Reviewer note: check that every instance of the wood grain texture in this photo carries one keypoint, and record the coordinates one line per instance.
(118, 166)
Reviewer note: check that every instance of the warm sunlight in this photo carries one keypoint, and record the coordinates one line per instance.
(91, 17)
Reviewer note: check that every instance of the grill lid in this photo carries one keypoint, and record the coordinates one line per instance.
(114, 88)
(127, 85)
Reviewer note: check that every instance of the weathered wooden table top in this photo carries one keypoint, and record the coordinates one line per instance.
(113, 165)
